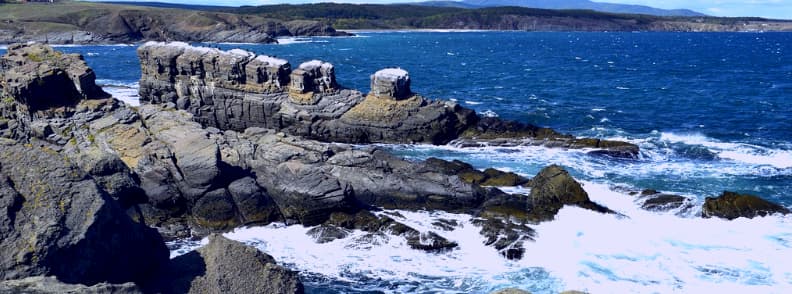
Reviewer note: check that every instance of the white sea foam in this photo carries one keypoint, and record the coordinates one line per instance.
(126, 92)
(298, 40)
(472, 102)
(738, 152)
(644, 252)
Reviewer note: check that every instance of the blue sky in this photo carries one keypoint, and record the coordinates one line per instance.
(781, 9)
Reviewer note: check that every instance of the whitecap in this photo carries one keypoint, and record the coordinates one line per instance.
(473, 102)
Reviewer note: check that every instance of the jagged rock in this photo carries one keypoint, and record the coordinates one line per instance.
(506, 236)
(57, 221)
(226, 266)
(391, 83)
(553, 188)
(339, 225)
(50, 285)
(731, 205)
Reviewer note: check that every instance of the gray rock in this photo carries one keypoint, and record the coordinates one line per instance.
(57, 221)
(226, 266)
(226, 95)
(51, 285)
(391, 83)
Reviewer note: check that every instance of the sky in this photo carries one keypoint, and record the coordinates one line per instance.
(779, 9)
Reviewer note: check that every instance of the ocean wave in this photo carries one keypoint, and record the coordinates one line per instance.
(737, 152)
(580, 249)
(121, 90)
(299, 40)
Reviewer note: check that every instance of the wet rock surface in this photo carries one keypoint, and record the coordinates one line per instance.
(731, 205)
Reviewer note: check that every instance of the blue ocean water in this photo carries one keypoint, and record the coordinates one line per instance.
(710, 111)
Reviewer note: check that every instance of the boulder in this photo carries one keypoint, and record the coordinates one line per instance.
(58, 221)
(553, 188)
(226, 266)
(731, 205)
(391, 83)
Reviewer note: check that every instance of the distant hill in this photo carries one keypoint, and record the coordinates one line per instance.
(584, 4)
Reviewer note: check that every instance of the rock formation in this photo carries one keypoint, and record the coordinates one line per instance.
(391, 83)
(231, 96)
(105, 170)
(730, 205)
(226, 266)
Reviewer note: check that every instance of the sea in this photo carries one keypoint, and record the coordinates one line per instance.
(711, 112)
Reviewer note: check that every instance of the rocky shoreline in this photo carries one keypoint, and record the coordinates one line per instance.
(90, 187)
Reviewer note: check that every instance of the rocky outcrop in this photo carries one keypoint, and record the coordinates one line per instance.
(731, 205)
(77, 23)
(226, 266)
(314, 106)
(63, 215)
(51, 285)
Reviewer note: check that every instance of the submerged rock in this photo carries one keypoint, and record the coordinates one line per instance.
(656, 201)
(226, 266)
(731, 205)
(491, 131)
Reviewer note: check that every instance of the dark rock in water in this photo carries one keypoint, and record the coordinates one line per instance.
(506, 236)
(446, 224)
(731, 205)
(656, 201)
(339, 224)
(51, 285)
(553, 188)
(328, 233)
(225, 266)
(492, 131)
(57, 221)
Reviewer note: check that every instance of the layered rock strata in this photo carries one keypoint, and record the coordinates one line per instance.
(231, 95)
